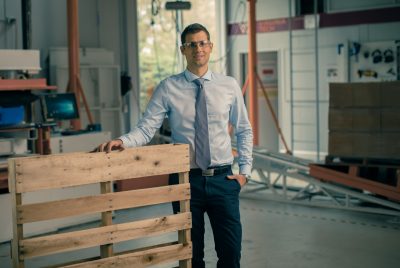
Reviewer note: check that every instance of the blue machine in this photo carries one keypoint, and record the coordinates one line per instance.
(11, 115)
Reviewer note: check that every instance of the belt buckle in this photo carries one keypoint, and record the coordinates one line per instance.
(207, 172)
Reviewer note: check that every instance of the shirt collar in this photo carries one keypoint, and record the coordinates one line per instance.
(191, 76)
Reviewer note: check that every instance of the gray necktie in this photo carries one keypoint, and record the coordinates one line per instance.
(201, 140)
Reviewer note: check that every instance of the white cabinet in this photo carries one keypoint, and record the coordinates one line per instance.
(78, 143)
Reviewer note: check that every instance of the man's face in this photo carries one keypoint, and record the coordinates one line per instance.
(197, 49)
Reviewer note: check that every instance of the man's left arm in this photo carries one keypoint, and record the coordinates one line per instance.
(244, 136)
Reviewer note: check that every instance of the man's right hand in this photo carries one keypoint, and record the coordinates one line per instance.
(110, 146)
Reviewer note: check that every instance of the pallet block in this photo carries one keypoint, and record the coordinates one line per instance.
(75, 169)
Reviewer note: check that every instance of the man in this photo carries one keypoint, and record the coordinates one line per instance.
(192, 99)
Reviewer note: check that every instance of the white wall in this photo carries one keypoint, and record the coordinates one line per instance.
(265, 9)
(304, 75)
(10, 9)
(49, 25)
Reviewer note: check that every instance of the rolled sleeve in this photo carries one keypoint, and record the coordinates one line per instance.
(243, 131)
(151, 120)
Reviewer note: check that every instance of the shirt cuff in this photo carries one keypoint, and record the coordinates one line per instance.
(125, 141)
(245, 169)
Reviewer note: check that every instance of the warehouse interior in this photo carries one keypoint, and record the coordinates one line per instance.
(321, 85)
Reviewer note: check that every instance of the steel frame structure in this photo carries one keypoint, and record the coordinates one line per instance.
(314, 193)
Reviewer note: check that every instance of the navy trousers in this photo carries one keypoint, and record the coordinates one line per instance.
(219, 197)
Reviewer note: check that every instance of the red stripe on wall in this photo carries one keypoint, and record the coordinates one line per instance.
(326, 20)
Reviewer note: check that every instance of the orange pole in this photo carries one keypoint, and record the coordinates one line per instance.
(252, 71)
(85, 103)
(73, 54)
(245, 86)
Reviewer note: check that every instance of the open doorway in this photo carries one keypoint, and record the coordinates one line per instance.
(267, 66)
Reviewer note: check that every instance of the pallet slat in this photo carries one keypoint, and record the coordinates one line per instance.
(80, 168)
(45, 245)
(101, 203)
(18, 229)
(142, 258)
(106, 220)
(119, 253)
(184, 236)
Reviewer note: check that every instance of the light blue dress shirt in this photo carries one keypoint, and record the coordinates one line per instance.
(175, 97)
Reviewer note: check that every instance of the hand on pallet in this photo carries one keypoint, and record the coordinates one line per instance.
(110, 146)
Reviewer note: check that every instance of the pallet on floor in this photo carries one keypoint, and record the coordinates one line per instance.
(366, 161)
(75, 169)
(376, 179)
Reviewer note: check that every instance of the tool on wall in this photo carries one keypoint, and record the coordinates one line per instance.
(388, 55)
(377, 61)
(376, 56)
(391, 71)
(367, 73)
(355, 50)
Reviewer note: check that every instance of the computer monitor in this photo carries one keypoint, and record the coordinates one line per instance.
(59, 106)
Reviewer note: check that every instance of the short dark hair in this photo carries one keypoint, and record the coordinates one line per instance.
(192, 29)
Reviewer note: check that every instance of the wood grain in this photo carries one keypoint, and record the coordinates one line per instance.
(50, 244)
(144, 258)
(65, 170)
(184, 235)
(106, 220)
(100, 203)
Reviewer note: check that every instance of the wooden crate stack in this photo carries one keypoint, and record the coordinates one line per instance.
(364, 135)
(75, 169)
(364, 120)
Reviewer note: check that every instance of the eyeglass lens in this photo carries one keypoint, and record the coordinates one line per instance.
(195, 44)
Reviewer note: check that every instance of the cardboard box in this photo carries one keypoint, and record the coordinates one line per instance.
(365, 144)
(364, 119)
(340, 95)
(390, 97)
(371, 94)
(390, 119)
(366, 95)
(355, 119)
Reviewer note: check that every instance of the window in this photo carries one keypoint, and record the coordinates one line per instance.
(158, 41)
(306, 7)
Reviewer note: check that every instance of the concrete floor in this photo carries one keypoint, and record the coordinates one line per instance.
(280, 235)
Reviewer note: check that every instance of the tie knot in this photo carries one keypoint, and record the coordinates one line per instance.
(199, 82)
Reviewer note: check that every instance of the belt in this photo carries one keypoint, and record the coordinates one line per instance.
(212, 171)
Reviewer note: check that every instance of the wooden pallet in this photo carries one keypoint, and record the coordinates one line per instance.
(380, 180)
(366, 161)
(75, 169)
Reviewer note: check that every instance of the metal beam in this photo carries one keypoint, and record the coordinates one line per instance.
(324, 194)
